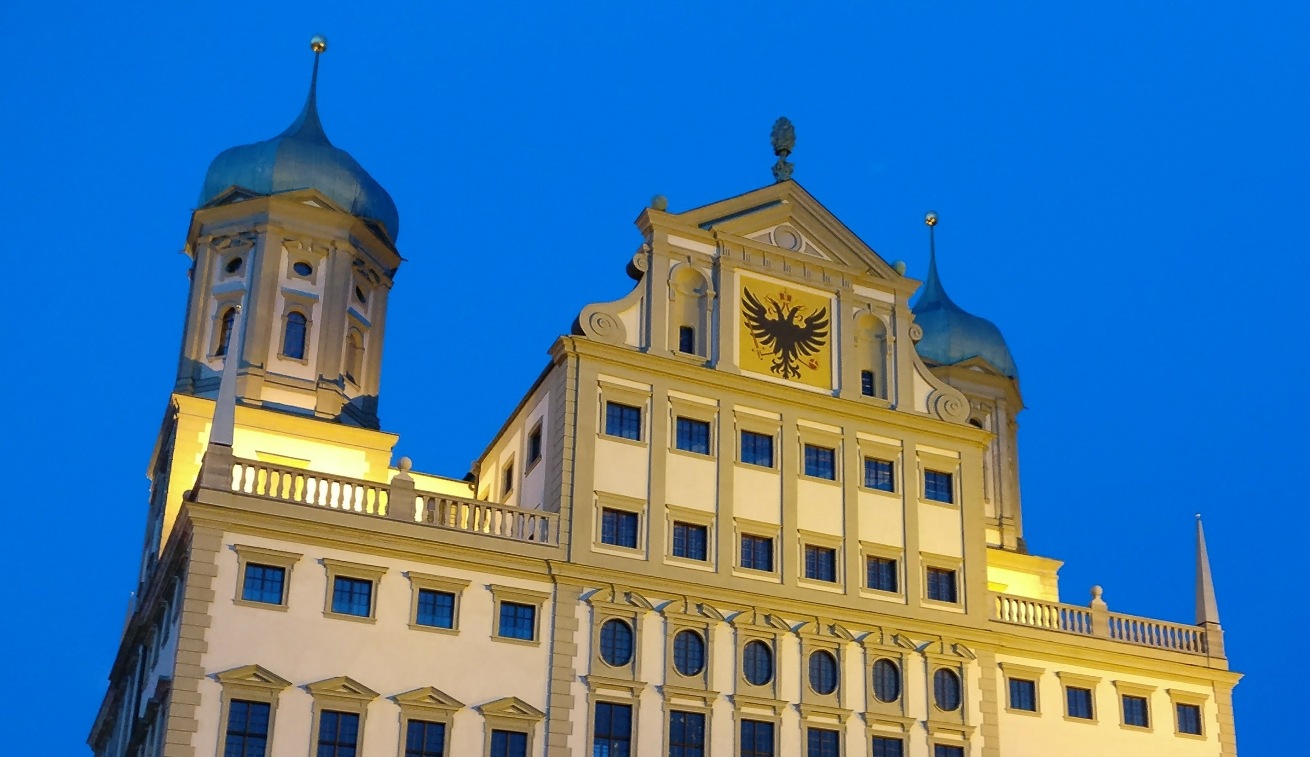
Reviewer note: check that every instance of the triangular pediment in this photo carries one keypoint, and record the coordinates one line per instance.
(788, 218)
(232, 194)
(341, 686)
(253, 675)
(430, 697)
(511, 707)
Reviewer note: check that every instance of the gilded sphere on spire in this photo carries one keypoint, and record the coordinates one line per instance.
(930, 218)
(318, 43)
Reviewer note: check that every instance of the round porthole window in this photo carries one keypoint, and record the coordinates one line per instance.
(302, 268)
(886, 681)
(823, 672)
(688, 653)
(616, 643)
(946, 690)
(233, 265)
(757, 663)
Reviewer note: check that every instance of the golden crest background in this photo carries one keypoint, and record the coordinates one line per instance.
(786, 317)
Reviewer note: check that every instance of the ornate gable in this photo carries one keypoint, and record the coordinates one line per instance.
(343, 687)
(256, 676)
(511, 707)
(428, 697)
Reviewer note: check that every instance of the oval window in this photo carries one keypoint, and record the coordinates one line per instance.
(233, 265)
(886, 681)
(757, 663)
(302, 268)
(688, 653)
(823, 672)
(615, 643)
(946, 690)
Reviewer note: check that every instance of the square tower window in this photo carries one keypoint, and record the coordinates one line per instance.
(687, 340)
(821, 462)
(757, 449)
(693, 436)
(937, 486)
(623, 421)
(820, 563)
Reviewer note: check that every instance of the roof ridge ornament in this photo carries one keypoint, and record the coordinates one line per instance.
(783, 139)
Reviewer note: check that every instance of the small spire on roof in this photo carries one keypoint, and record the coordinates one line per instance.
(307, 125)
(783, 139)
(1207, 608)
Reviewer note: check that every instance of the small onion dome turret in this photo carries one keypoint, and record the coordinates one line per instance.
(301, 158)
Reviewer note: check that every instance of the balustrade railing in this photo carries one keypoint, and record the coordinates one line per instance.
(1157, 633)
(309, 488)
(1096, 621)
(487, 518)
(1035, 613)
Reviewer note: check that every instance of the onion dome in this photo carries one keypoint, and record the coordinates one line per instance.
(301, 158)
(950, 333)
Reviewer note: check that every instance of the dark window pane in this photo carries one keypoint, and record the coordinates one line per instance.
(756, 553)
(263, 583)
(225, 330)
(424, 739)
(1023, 695)
(756, 739)
(507, 479)
(1189, 718)
(757, 449)
(686, 734)
(820, 563)
(937, 486)
(619, 528)
(941, 585)
(1079, 702)
(623, 421)
(534, 446)
(690, 541)
(338, 734)
(612, 735)
(867, 384)
(616, 643)
(757, 663)
(882, 574)
(886, 681)
(945, 750)
(823, 672)
(435, 608)
(352, 596)
(247, 729)
(820, 462)
(946, 690)
(688, 653)
(1135, 711)
(509, 744)
(518, 621)
(878, 474)
(293, 340)
(687, 340)
(822, 743)
(693, 436)
(885, 747)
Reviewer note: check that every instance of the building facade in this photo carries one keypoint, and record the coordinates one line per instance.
(761, 505)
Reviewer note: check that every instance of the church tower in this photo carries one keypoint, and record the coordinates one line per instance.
(295, 233)
(970, 354)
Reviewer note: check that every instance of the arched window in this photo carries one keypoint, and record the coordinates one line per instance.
(225, 330)
(757, 663)
(946, 689)
(354, 356)
(688, 653)
(293, 339)
(616, 643)
(823, 672)
(886, 681)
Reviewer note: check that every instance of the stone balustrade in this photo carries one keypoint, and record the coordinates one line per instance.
(1098, 622)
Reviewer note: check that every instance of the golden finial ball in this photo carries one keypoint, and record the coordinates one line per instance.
(930, 218)
(318, 43)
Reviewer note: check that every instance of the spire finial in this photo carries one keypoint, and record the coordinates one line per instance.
(1207, 608)
(318, 43)
(783, 140)
(307, 125)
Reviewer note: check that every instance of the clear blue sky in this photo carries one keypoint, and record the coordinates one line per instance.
(1122, 187)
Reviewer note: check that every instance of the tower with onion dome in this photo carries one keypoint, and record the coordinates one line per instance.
(298, 237)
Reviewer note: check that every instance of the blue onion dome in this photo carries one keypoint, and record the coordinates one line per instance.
(301, 158)
(952, 335)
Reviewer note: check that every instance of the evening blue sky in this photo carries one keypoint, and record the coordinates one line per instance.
(1122, 189)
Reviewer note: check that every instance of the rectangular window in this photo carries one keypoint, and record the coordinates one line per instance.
(435, 608)
(690, 541)
(1135, 711)
(424, 739)
(507, 479)
(1078, 702)
(888, 747)
(820, 563)
(623, 421)
(618, 527)
(518, 621)
(946, 750)
(1189, 718)
(937, 487)
(352, 596)
(693, 436)
(247, 729)
(822, 742)
(1023, 695)
(263, 583)
(757, 449)
(941, 585)
(612, 730)
(821, 462)
(879, 474)
(686, 734)
(534, 445)
(757, 553)
(756, 739)
(687, 340)
(866, 383)
(509, 744)
(882, 574)
(338, 734)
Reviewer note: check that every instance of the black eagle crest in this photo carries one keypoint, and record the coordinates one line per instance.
(778, 332)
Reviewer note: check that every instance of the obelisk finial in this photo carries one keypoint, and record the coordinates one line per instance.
(783, 139)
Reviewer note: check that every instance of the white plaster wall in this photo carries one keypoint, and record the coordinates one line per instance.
(691, 481)
(940, 531)
(532, 488)
(757, 494)
(622, 468)
(882, 518)
(819, 507)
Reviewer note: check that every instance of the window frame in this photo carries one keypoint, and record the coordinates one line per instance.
(773, 448)
(427, 582)
(630, 505)
(1180, 698)
(430, 705)
(953, 565)
(507, 480)
(341, 694)
(1013, 672)
(640, 438)
(275, 558)
(891, 471)
(758, 720)
(357, 571)
(870, 552)
(511, 715)
(813, 553)
(249, 683)
(682, 709)
(678, 419)
(1128, 689)
(304, 310)
(818, 473)
(770, 644)
(515, 595)
(621, 517)
(772, 532)
(594, 706)
(951, 481)
(1075, 681)
(807, 540)
(688, 528)
(534, 456)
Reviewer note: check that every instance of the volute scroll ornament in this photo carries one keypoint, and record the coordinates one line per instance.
(603, 326)
(949, 405)
(916, 332)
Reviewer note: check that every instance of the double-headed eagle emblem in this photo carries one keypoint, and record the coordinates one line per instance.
(784, 333)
